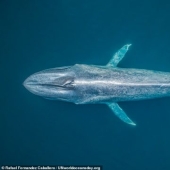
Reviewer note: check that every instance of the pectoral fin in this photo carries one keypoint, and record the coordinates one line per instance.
(120, 113)
(118, 56)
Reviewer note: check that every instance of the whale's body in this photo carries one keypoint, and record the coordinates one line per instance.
(90, 84)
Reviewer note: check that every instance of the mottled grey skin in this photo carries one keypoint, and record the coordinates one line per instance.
(82, 84)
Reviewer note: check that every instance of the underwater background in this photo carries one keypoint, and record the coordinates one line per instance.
(41, 34)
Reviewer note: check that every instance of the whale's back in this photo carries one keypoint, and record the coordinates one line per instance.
(97, 84)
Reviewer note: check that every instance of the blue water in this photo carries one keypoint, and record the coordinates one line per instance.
(41, 34)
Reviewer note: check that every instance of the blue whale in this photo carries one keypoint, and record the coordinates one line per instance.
(91, 84)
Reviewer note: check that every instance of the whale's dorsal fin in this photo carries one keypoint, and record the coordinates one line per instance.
(120, 113)
(118, 56)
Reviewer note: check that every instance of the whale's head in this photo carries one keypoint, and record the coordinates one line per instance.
(55, 83)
